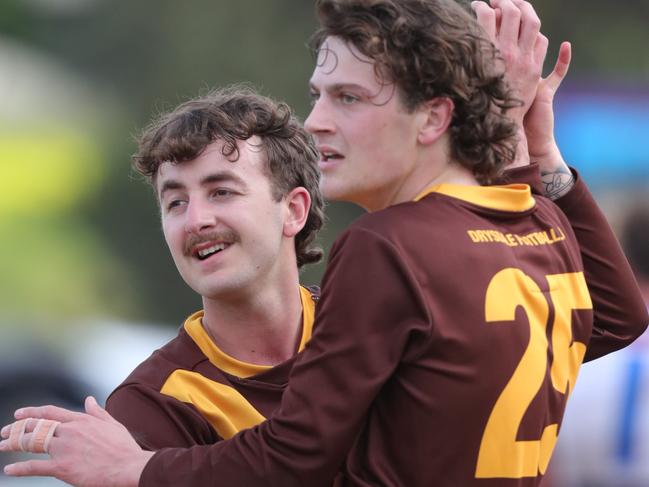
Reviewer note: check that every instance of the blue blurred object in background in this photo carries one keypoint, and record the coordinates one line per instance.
(602, 131)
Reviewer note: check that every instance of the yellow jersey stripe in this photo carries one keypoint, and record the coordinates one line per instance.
(224, 408)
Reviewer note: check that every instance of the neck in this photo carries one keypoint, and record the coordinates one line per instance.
(433, 167)
(451, 173)
(261, 327)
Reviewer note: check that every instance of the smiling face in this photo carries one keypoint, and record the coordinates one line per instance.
(366, 136)
(223, 227)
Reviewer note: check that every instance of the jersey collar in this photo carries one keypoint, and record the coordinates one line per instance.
(511, 197)
(194, 328)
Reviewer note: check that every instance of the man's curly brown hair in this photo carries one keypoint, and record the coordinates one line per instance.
(430, 49)
(231, 115)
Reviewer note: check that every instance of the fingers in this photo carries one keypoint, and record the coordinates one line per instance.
(530, 26)
(30, 435)
(4, 433)
(486, 17)
(26, 425)
(513, 23)
(17, 435)
(94, 409)
(561, 67)
(47, 412)
(31, 467)
(509, 25)
(540, 49)
(42, 435)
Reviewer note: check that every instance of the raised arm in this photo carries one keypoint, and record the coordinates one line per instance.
(620, 314)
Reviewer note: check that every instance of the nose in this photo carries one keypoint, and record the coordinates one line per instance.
(199, 216)
(320, 119)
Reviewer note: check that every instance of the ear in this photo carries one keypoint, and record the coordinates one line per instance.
(438, 114)
(298, 204)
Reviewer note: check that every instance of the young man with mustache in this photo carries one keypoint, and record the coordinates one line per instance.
(236, 179)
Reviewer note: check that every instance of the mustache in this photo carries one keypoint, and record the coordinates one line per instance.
(227, 236)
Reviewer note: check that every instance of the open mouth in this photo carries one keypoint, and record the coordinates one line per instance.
(328, 153)
(207, 252)
(327, 156)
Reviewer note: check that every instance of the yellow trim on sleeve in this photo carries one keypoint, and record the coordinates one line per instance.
(308, 315)
(194, 328)
(511, 197)
(222, 406)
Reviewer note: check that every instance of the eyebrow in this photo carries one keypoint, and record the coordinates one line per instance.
(337, 87)
(218, 177)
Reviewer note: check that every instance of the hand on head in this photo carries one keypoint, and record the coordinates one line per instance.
(74, 441)
(514, 28)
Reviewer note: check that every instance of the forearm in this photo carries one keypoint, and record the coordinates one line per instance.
(619, 311)
(620, 315)
(556, 178)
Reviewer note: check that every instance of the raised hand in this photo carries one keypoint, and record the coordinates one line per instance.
(539, 120)
(514, 28)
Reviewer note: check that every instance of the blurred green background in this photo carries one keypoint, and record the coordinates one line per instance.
(80, 236)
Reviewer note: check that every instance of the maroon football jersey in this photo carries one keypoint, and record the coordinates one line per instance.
(447, 340)
(190, 392)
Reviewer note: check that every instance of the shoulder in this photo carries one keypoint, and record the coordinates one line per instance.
(402, 214)
(433, 211)
(380, 225)
(399, 227)
(179, 353)
(375, 248)
(157, 420)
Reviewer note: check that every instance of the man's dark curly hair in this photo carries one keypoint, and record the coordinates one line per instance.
(232, 115)
(430, 49)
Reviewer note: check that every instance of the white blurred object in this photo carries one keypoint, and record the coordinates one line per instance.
(37, 87)
(92, 358)
(105, 353)
(604, 437)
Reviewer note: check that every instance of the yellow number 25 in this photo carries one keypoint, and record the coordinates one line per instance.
(501, 455)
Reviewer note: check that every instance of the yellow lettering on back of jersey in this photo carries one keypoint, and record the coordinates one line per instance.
(534, 239)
